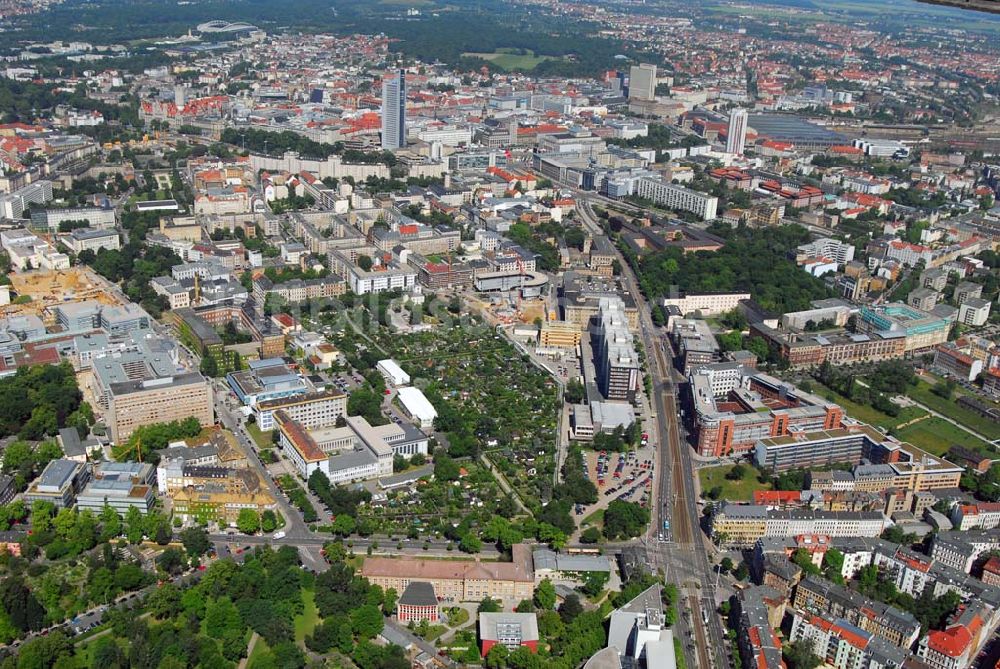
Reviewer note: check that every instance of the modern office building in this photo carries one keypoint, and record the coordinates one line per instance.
(394, 111)
(356, 452)
(883, 462)
(264, 380)
(121, 486)
(736, 134)
(694, 342)
(134, 403)
(615, 357)
(642, 82)
(922, 330)
(312, 410)
(733, 421)
(58, 483)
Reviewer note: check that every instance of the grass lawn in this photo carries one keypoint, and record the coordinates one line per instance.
(735, 491)
(457, 616)
(262, 439)
(511, 61)
(306, 621)
(596, 519)
(936, 435)
(871, 415)
(950, 408)
(260, 649)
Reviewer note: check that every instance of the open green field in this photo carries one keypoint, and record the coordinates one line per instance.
(733, 491)
(950, 408)
(510, 61)
(871, 415)
(262, 439)
(936, 435)
(306, 621)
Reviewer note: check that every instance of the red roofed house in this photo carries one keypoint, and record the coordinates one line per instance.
(512, 630)
(957, 645)
(991, 571)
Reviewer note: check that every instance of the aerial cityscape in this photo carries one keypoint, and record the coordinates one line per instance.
(516, 334)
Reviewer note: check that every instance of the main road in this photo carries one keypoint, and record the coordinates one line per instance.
(683, 553)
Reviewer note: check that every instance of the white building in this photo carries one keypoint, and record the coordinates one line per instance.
(709, 304)
(88, 239)
(417, 406)
(392, 372)
(974, 312)
(678, 197)
(642, 82)
(736, 135)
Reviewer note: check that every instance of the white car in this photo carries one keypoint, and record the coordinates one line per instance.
(279, 535)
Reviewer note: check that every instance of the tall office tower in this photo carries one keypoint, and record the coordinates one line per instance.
(736, 136)
(394, 111)
(642, 82)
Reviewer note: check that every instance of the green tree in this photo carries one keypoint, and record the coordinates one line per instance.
(135, 526)
(624, 519)
(195, 541)
(800, 655)
(489, 605)
(545, 595)
(268, 521)
(367, 621)
(248, 521)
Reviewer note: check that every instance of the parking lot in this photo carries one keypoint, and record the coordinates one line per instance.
(625, 476)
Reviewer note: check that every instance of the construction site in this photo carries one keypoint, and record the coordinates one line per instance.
(48, 289)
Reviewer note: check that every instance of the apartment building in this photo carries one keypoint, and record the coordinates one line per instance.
(677, 197)
(956, 646)
(960, 550)
(758, 643)
(843, 645)
(762, 407)
(742, 525)
(296, 291)
(974, 312)
(825, 247)
(951, 360)
(382, 277)
(459, 580)
(827, 599)
(981, 515)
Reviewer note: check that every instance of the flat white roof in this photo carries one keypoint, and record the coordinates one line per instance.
(416, 404)
(390, 367)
